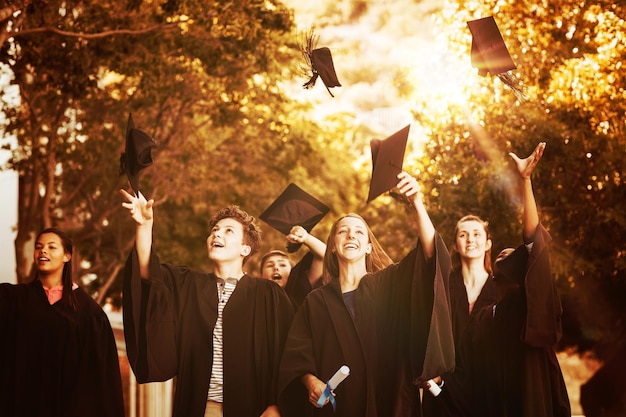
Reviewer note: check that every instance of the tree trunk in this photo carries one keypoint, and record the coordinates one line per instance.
(24, 239)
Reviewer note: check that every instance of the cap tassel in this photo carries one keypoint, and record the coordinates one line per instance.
(329, 92)
(309, 44)
(311, 82)
(513, 83)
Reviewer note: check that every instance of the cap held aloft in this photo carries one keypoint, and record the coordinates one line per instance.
(387, 161)
(294, 207)
(137, 155)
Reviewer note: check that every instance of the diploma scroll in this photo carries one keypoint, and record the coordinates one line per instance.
(433, 387)
(341, 374)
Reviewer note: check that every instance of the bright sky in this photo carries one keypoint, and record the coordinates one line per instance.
(390, 58)
(8, 208)
(8, 221)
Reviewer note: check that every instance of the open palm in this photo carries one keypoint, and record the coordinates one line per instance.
(526, 166)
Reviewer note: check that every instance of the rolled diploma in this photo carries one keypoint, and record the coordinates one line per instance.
(341, 374)
(433, 387)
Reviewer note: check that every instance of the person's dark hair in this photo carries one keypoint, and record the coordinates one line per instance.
(454, 254)
(374, 261)
(251, 232)
(271, 253)
(68, 297)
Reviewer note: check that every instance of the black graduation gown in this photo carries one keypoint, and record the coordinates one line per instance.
(384, 344)
(513, 365)
(54, 361)
(453, 400)
(168, 327)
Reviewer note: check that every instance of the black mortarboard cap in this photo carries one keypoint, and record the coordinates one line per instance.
(322, 66)
(319, 62)
(489, 52)
(137, 155)
(387, 160)
(294, 207)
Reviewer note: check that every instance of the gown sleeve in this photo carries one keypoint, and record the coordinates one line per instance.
(543, 327)
(277, 319)
(149, 321)
(297, 360)
(98, 382)
(415, 302)
(4, 301)
(298, 285)
(528, 293)
(439, 356)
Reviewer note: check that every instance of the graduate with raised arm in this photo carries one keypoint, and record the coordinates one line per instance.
(299, 279)
(295, 213)
(528, 316)
(220, 333)
(373, 316)
(510, 359)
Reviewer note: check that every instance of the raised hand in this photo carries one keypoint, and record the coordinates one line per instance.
(140, 209)
(297, 234)
(409, 187)
(525, 167)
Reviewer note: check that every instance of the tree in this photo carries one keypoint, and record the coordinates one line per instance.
(200, 77)
(568, 58)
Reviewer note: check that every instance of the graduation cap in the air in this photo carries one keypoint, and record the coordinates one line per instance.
(294, 207)
(137, 155)
(490, 55)
(489, 52)
(387, 160)
(320, 64)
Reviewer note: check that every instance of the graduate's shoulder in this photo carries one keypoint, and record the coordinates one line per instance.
(261, 284)
(322, 295)
(264, 287)
(183, 276)
(15, 289)
(86, 304)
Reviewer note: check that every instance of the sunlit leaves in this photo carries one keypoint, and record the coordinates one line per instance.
(569, 58)
(200, 78)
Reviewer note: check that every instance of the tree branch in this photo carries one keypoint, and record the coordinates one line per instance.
(166, 26)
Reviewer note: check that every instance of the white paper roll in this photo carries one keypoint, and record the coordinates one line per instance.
(433, 388)
(341, 374)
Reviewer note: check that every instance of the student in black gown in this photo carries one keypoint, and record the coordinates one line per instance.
(58, 356)
(373, 316)
(507, 360)
(220, 334)
(471, 288)
(299, 279)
